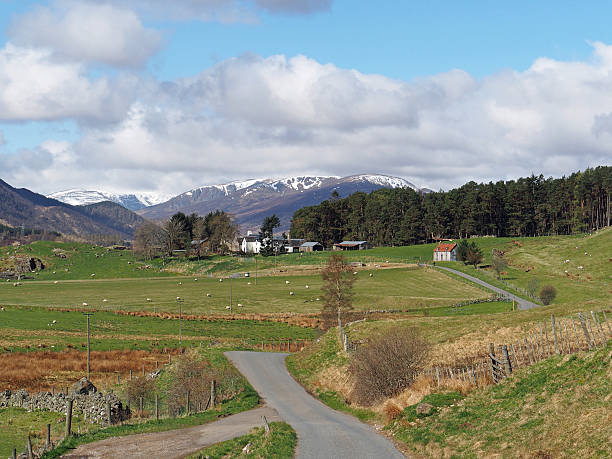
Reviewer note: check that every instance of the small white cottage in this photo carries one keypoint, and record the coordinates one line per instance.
(445, 252)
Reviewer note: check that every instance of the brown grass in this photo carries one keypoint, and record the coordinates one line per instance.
(46, 370)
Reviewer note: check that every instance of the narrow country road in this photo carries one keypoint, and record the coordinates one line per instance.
(322, 432)
(522, 303)
(174, 443)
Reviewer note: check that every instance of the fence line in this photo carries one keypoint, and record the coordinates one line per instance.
(560, 336)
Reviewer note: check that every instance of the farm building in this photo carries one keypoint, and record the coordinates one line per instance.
(293, 245)
(445, 252)
(352, 245)
(311, 247)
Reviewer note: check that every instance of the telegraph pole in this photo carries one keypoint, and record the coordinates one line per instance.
(179, 300)
(88, 314)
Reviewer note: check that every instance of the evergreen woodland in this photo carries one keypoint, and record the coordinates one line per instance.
(531, 206)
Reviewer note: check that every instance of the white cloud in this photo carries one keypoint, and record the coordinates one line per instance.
(34, 85)
(256, 117)
(90, 32)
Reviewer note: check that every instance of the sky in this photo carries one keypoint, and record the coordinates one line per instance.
(158, 96)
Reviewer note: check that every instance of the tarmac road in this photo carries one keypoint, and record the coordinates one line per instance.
(522, 303)
(322, 432)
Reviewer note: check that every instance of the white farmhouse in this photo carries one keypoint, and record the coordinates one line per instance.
(445, 252)
(251, 243)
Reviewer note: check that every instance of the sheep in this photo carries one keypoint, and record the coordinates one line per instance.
(287, 282)
(196, 279)
(85, 304)
(149, 300)
(220, 280)
(54, 321)
(354, 273)
(104, 300)
(208, 295)
(308, 286)
(228, 307)
(248, 283)
(371, 275)
(580, 267)
(93, 275)
(55, 282)
(180, 283)
(239, 305)
(291, 293)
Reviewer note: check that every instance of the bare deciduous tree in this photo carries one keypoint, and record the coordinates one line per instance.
(148, 239)
(337, 289)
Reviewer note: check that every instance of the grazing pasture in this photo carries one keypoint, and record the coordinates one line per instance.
(410, 288)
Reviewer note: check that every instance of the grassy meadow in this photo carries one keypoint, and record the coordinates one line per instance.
(398, 288)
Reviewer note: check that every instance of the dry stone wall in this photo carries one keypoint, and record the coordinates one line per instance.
(92, 406)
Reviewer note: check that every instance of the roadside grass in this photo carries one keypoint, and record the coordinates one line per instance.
(280, 443)
(325, 358)
(559, 407)
(398, 288)
(17, 423)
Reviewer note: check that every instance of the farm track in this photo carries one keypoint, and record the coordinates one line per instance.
(175, 443)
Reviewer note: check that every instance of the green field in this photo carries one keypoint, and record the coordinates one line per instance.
(26, 328)
(387, 289)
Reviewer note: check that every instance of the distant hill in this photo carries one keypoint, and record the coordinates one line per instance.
(19, 206)
(252, 200)
(132, 201)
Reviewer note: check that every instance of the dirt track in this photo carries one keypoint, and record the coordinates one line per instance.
(175, 443)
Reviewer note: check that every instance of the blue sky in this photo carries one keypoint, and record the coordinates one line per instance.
(98, 91)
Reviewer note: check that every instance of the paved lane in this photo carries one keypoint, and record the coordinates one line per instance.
(522, 303)
(322, 432)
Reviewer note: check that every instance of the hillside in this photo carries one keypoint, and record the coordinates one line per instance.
(23, 207)
(557, 408)
(251, 201)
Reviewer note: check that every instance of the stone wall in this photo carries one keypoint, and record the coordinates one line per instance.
(91, 406)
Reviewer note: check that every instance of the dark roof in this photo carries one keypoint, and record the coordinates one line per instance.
(350, 243)
(310, 244)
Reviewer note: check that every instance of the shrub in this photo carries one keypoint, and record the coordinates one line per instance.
(190, 373)
(548, 294)
(140, 387)
(387, 365)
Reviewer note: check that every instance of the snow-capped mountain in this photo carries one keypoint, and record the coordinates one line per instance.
(251, 200)
(132, 201)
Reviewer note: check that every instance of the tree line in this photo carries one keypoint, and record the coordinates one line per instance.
(529, 206)
(214, 232)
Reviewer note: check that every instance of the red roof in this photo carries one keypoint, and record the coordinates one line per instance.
(445, 247)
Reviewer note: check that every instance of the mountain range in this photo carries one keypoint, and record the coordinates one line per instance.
(249, 201)
(19, 206)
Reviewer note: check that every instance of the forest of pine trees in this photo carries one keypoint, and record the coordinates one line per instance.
(531, 206)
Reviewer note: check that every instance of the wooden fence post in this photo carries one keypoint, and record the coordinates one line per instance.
(567, 340)
(554, 331)
(213, 393)
(48, 442)
(29, 446)
(156, 407)
(266, 425)
(507, 363)
(585, 330)
(69, 418)
(492, 355)
(438, 375)
(597, 325)
(588, 322)
(187, 409)
(14, 453)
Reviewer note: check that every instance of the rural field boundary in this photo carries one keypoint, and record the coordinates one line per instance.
(560, 336)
